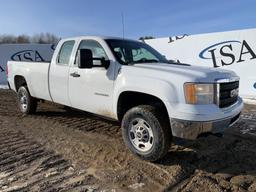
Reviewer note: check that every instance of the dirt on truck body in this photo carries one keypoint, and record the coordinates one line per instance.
(64, 150)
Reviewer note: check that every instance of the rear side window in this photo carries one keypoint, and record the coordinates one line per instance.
(65, 53)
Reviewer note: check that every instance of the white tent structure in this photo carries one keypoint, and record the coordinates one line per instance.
(233, 50)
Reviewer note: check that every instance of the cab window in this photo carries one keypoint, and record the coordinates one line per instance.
(95, 47)
(65, 53)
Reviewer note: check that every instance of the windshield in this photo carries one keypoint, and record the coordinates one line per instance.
(132, 52)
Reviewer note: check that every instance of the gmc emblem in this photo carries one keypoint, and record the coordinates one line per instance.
(234, 93)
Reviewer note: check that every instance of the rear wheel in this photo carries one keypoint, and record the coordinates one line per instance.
(27, 104)
(146, 132)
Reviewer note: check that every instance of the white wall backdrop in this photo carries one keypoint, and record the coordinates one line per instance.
(23, 52)
(234, 50)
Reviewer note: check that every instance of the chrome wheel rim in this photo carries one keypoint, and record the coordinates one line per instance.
(141, 135)
(23, 100)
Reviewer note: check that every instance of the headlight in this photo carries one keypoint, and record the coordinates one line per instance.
(199, 93)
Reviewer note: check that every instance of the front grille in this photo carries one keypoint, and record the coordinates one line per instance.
(226, 98)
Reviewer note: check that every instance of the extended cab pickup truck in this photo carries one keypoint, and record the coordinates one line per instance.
(129, 81)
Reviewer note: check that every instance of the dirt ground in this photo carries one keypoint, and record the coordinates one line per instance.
(61, 150)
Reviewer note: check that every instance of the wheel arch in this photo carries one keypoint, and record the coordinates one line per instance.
(19, 81)
(128, 99)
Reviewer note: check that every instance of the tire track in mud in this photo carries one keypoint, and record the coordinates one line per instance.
(26, 166)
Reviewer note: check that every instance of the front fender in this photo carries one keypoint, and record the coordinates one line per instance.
(163, 90)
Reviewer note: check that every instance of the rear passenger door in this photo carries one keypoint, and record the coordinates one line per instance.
(59, 73)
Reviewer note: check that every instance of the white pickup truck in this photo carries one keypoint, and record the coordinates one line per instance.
(129, 81)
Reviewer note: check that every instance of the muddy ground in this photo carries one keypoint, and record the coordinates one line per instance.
(60, 150)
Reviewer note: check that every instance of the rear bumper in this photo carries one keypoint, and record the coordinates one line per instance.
(192, 129)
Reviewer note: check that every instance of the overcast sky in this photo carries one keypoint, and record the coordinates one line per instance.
(141, 17)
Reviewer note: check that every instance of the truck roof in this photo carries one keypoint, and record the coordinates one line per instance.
(96, 38)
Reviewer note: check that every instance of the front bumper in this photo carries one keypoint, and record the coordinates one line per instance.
(192, 129)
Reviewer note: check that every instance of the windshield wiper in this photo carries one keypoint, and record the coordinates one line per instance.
(144, 61)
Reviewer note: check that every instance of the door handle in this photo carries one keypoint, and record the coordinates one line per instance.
(75, 74)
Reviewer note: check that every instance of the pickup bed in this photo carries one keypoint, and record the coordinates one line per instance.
(130, 82)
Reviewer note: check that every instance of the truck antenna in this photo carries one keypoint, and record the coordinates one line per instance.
(123, 23)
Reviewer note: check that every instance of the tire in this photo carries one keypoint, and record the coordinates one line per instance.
(26, 103)
(146, 132)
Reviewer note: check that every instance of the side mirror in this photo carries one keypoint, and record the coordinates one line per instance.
(85, 59)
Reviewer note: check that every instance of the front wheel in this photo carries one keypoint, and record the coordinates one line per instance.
(27, 104)
(146, 132)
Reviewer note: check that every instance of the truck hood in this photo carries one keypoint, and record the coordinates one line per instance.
(187, 73)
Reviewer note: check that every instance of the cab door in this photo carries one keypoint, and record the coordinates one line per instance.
(92, 89)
